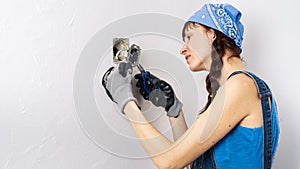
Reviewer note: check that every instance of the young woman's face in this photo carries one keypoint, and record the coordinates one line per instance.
(197, 48)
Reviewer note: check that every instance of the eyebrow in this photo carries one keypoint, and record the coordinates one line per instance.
(187, 33)
(187, 27)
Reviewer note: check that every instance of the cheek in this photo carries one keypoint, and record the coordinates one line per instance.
(200, 47)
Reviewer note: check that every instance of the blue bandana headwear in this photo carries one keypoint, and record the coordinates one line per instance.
(222, 17)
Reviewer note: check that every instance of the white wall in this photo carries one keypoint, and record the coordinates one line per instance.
(41, 40)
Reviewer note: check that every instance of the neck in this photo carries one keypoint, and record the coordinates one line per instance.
(230, 64)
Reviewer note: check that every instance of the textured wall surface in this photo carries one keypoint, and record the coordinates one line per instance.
(41, 41)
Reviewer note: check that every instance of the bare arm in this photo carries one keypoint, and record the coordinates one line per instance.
(223, 114)
(162, 151)
(178, 125)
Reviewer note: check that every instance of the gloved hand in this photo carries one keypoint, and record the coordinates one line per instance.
(159, 92)
(117, 84)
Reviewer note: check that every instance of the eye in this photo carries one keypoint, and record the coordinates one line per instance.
(187, 38)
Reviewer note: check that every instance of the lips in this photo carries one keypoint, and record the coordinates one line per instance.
(187, 57)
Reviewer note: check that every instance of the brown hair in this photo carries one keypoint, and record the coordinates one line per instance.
(221, 44)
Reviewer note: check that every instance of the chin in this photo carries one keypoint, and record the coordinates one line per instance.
(197, 68)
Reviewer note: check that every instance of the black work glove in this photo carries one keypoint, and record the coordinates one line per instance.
(159, 92)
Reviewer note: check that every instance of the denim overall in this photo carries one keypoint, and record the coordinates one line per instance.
(208, 160)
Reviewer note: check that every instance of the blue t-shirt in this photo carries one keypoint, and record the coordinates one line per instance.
(242, 148)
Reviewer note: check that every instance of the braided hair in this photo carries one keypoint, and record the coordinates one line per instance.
(221, 44)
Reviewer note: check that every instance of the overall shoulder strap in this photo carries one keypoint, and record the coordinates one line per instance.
(264, 94)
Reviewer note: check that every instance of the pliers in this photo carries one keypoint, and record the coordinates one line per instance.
(148, 80)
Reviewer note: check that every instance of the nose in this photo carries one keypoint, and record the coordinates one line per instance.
(184, 49)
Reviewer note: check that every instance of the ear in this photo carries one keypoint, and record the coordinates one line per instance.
(211, 35)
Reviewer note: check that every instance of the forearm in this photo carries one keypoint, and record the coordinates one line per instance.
(151, 139)
(178, 125)
(162, 151)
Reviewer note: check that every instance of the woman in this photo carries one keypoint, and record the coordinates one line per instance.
(237, 128)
